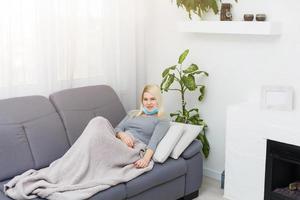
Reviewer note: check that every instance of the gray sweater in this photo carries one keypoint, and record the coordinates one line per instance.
(148, 129)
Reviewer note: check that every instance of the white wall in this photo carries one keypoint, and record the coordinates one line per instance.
(238, 65)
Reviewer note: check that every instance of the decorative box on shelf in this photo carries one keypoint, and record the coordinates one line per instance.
(231, 27)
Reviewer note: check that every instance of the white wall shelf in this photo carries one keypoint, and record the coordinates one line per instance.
(231, 27)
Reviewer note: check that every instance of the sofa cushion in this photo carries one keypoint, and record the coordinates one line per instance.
(166, 145)
(47, 138)
(117, 192)
(190, 133)
(4, 197)
(78, 106)
(2, 183)
(171, 190)
(193, 149)
(160, 173)
(32, 135)
(15, 154)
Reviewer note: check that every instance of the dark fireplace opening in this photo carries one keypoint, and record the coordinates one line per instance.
(282, 176)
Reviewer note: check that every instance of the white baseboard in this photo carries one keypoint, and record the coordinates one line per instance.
(227, 197)
(212, 174)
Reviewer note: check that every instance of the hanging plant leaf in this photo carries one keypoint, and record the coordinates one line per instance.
(214, 6)
(199, 7)
(183, 56)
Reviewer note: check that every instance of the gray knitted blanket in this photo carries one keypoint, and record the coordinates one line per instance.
(96, 161)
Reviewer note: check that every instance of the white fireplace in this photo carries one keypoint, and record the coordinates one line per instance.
(248, 128)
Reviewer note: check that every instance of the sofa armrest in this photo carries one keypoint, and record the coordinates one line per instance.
(194, 148)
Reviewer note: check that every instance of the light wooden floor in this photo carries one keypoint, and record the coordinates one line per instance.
(210, 190)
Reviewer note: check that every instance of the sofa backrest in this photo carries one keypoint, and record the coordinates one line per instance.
(78, 106)
(32, 135)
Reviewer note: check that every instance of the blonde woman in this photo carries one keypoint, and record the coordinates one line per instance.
(146, 125)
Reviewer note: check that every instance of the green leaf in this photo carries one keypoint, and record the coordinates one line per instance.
(205, 144)
(200, 72)
(191, 69)
(185, 113)
(195, 116)
(189, 82)
(173, 67)
(199, 7)
(179, 119)
(169, 82)
(205, 73)
(195, 119)
(174, 114)
(162, 83)
(214, 6)
(166, 71)
(183, 56)
(194, 109)
(202, 93)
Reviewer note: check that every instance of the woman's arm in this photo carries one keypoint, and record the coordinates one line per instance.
(124, 137)
(159, 132)
(121, 126)
(120, 134)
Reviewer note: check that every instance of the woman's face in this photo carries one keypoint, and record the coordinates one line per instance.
(149, 101)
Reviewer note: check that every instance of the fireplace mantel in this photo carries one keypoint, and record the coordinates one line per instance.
(247, 129)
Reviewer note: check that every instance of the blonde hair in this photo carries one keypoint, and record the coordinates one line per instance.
(155, 91)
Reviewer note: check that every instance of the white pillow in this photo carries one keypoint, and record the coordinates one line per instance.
(190, 133)
(168, 142)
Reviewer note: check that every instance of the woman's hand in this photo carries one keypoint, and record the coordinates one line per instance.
(124, 137)
(144, 162)
(141, 163)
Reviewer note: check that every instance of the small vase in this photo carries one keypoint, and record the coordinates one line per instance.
(260, 17)
(248, 17)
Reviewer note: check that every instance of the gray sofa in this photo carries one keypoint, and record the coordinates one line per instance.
(34, 131)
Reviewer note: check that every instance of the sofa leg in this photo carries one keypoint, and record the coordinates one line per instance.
(190, 196)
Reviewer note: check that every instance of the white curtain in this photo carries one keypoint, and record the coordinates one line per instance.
(49, 45)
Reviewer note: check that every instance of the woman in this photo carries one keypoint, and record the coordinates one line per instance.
(145, 125)
(98, 160)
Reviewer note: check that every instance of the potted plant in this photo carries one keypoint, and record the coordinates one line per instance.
(186, 77)
(199, 7)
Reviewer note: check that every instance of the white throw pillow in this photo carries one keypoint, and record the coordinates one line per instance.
(190, 133)
(166, 145)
